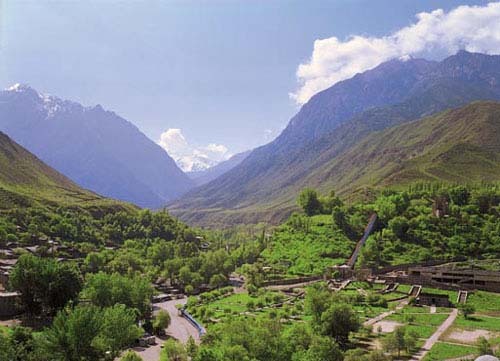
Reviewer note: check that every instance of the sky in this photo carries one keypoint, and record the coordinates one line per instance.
(213, 78)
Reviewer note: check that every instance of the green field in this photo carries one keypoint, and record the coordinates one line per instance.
(442, 351)
(475, 322)
(486, 303)
(424, 324)
(264, 304)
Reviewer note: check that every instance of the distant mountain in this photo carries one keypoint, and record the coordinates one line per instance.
(25, 180)
(205, 176)
(95, 148)
(265, 184)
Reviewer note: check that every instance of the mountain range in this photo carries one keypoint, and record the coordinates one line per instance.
(95, 148)
(332, 124)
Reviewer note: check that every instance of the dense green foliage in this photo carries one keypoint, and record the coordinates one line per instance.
(88, 332)
(106, 290)
(425, 221)
(411, 229)
(45, 285)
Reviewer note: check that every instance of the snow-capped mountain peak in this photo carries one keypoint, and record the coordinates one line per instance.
(47, 103)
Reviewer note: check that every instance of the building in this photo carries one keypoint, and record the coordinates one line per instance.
(9, 302)
(468, 278)
(433, 299)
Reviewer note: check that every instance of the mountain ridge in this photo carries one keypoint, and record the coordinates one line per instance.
(271, 175)
(96, 148)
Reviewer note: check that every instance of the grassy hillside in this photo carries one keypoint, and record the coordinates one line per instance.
(26, 181)
(457, 146)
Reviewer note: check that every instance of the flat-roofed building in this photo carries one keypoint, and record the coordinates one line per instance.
(467, 278)
(9, 304)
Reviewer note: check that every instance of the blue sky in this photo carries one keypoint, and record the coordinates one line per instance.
(220, 71)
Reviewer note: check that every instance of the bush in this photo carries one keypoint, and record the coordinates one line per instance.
(131, 356)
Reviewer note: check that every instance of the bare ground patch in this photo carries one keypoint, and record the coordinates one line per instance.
(386, 326)
(468, 336)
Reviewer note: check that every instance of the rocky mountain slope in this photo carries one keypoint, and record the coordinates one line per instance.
(264, 185)
(95, 148)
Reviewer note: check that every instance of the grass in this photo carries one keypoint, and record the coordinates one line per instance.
(476, 322)
(403, 288)
(485, 303)
(424, 324)
(308, 252)
(442, 351)
(238, 305)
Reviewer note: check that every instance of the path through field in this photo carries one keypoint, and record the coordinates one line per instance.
(380, 317)
(435, 337)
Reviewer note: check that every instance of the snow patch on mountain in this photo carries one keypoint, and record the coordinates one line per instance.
(192, 158)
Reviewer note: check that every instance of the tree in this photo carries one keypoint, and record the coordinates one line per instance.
(106, 290)
(317, 301)
(330, 202)
(399, 226)
(206, 354)
(173, 351)
(117, 329)
(323, 349)
(71, 335)
(161, 321)
(217, 280)
(6, 349)
(45, 285)
(338, 321)
(191, 347)
(411, 338)
(131, 356)
(86, 333)
(22, 342)
(400, 339)
(459, 195)
(484, 347)
(371, 253)
(339, 219)
(466, 309)
(94, 262)
(309, 201)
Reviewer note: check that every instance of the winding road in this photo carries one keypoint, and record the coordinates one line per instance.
(180, 329)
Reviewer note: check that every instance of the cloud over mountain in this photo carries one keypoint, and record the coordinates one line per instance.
(435, 34)
(189, 157)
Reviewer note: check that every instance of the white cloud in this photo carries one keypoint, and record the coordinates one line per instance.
(188, 157)
(435, 34)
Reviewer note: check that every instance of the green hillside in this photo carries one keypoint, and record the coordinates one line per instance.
(25, 180)
(457, 146)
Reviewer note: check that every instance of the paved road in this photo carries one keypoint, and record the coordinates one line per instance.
(179, 328)
(435, 337)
